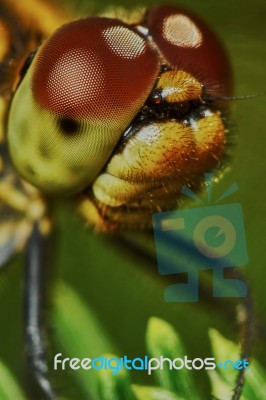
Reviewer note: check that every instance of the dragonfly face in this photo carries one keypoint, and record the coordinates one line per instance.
(122, 116)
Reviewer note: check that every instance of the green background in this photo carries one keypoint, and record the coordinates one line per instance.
(119, 291)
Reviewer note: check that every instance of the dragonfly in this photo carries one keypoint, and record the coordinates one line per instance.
(116, 125)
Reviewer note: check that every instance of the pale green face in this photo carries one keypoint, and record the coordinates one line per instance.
(76, 100)
(57, 155)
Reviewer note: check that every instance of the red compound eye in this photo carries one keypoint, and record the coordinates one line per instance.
(188, 44)
(94, 68)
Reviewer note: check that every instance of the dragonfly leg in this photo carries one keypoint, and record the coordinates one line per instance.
(34, 304)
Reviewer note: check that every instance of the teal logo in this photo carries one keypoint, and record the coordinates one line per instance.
(211, 237)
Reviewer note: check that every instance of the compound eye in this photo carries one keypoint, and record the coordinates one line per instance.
(187, 43)
(83, 88)
(95, 61)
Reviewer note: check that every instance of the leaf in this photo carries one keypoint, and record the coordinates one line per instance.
(220, 387)
(255, 382)
(223, 349)
(154, 393)
(9, 389)
(80, 334)
(255, 376)
(114, 384)
(163, 341)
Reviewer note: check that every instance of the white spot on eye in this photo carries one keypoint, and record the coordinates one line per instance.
(77, 76)
(149, 134)
(124, 42)
(144, 31)
(179, 30)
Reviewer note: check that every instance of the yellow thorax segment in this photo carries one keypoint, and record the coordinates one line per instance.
(179, 86)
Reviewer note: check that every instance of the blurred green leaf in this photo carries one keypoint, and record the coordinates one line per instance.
(154, 393)
(79, 333)
(220, 386)
(255, 385)
(9, 389)
(162, 340)
(114, 386)
(224, 349)
(224, 379)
